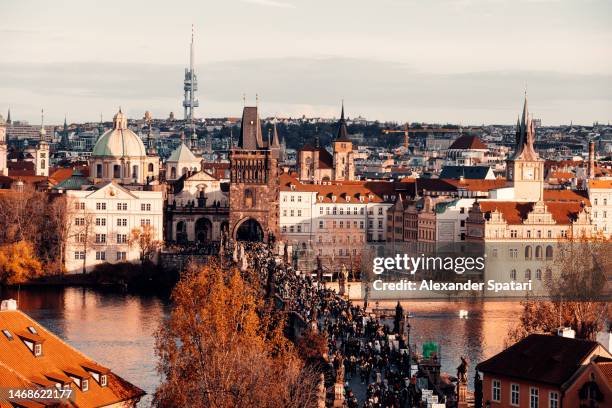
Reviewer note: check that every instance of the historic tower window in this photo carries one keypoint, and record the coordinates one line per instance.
(249, 198)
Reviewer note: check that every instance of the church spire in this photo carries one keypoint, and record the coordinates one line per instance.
(525, 136)
(8, 117)
(275, 141)
(42, 132)
(342, 129)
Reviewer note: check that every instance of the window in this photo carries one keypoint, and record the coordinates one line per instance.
(84, 385)
(99, 170)
(7, 334)
(334, 210)
(134, 172)
(553, 399)
(549, 252)
(513, 274)
(145, 207)
(380, 211)
(121, 222)
(528, 252)
(514, 394)
(101, 221)
(121, 256)
(291, 229)
(151, 168)
(538, 274)
(534, 398)
(38, 349)
(284, 213)
(100, 206)
(299, 198)
(292, 198)
(100, 238)
(496, 391)
(103, 380)
(321, 210)
(299, 213)
(79, 206)
(79, 255)
(513, 234)
(341, 210)
(121, 206)
(79, 221)
(116, 171)
(284, 228)
(32, 330)
(362, 211)
(100, 256)
(380, 224)
(145, 221)
(121, 238)
(299, 228)
(360, 224)
(528, 274)
(320, 224)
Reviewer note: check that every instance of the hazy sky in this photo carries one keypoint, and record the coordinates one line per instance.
(461, 61)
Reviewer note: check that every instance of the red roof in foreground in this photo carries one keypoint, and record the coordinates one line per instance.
(540, 358)
(19, 367)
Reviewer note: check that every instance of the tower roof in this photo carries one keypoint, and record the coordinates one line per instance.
(525, 136)
(182, 154)
(275, 141)
(250, 130)
(342, 130)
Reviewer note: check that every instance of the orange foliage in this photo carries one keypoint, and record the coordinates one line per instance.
(18, 263)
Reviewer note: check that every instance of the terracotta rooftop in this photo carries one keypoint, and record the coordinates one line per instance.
(355, 189)
(19, 366)
(600, 183)
(515, 212)
(467, 142)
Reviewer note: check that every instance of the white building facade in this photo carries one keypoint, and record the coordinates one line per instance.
(102, 221)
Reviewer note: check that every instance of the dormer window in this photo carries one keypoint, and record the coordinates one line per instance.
(38, 349)
(103, 380)
(7, 334)
(32, 330)
(85, 385)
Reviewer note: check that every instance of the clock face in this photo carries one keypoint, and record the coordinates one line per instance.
(528, 173)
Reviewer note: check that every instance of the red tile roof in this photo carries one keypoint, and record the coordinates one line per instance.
(20, 368)
(467, 142)
(600, 183)
(515, 212)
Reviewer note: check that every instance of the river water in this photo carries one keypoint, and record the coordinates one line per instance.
(117, 330)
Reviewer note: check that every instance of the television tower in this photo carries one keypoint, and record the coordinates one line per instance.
(190, 86)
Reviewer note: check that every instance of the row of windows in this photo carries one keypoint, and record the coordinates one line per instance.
(292, 213)
(515, 395)
(513, 252)
(604, 214)
(538, 274)
(538, 234)
(348, 239)
(605, 201)
(347, 224)
(101, 206)
(101, 255)
(341, 211)
(121, 222)
(101, 238)
(292, 198)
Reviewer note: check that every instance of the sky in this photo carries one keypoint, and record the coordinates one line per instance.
(443, 61)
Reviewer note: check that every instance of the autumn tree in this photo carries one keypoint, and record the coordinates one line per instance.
(18, 263)
(144, 238)
(578, 291)
(218, 349)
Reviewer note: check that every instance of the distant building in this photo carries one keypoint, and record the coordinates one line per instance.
(31, 357)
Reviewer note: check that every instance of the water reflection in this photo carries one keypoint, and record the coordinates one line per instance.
(113, 329)
(117, 329)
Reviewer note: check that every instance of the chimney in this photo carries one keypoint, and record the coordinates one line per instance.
(566, 332)
(591, 169)
(8, 304)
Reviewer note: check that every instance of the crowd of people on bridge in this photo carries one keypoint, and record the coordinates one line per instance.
(368, 357)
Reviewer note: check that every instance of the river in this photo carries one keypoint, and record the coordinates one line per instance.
(117, 330)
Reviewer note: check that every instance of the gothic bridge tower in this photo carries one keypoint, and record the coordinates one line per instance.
(254, 187)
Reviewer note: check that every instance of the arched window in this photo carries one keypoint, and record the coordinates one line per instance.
(99, 170)
(151, 168)
(513, 274)
(549, 252)
(528, 274)
(528, 252)
(538, 274)
(42, 164)
(173, 173)
(538, 252)
(134, 172)
(548, 274)
(184, 171)
(116, 171)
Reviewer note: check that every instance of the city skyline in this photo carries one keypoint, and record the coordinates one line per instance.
(388, 63)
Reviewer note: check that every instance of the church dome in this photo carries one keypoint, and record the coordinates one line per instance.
(120, 141)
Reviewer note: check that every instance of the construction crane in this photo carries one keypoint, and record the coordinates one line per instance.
(407, 130)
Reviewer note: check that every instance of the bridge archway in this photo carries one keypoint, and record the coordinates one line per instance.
(249, 230)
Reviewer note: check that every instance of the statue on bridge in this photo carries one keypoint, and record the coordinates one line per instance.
(462, 371)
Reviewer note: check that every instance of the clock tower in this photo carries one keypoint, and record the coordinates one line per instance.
(525, 169)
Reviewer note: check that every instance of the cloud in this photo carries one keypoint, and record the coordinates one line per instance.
(375, 89)
(270, 3)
